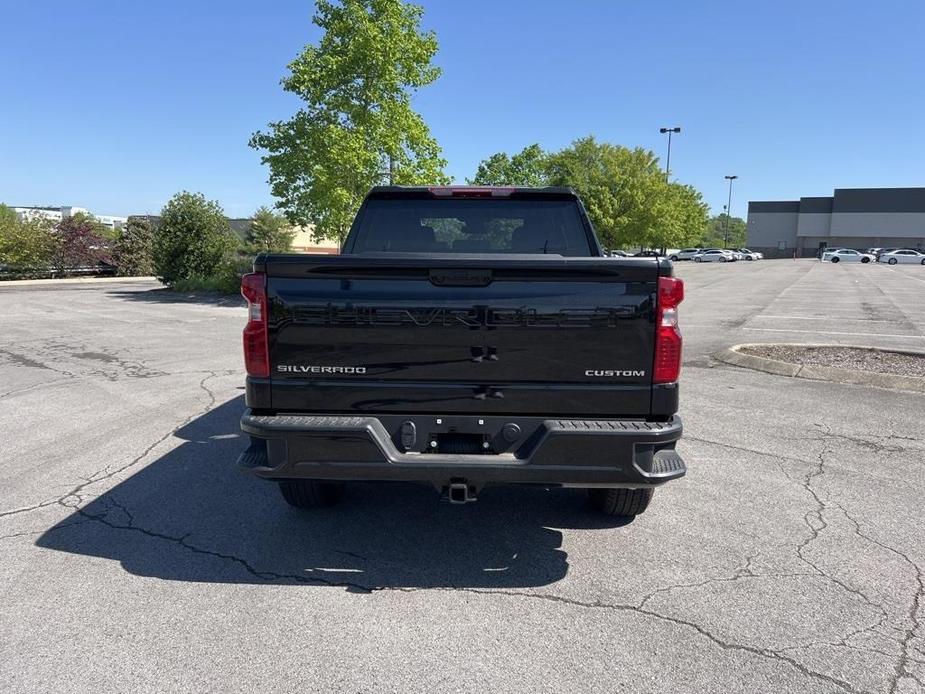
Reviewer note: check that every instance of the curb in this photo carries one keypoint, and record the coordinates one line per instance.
(73, 280)
(833, 374)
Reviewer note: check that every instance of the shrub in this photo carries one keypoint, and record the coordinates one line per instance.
(226, 278)
(25, 246)
(78, 243)
(192, 238)
(134, 249)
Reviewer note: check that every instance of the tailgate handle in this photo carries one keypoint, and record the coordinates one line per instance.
(460, 278)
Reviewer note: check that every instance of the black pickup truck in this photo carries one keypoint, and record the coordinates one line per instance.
(465, 337)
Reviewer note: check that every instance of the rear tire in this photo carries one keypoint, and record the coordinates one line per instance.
(866, 260)
(892, 261)
(835, 259)
(923, 261)
(722, 259)
(621, 503)
(698, 260)
(673, 258)
(311, 494)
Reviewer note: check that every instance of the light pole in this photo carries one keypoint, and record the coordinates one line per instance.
(668, 160)
(728, 211)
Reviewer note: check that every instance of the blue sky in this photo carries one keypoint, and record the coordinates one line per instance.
(114, 106)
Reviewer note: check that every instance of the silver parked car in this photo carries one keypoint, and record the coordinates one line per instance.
(845, 255)
(685, 254)
(714, 255)
(750, 255)
(902, 255)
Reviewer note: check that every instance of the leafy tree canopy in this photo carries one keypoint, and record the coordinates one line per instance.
(25, 244)
(714, 234)
(626, 195)
(134, 249)
(79, 242)
(356, 88)
(192, 237)
(270, 231)
(526, 168)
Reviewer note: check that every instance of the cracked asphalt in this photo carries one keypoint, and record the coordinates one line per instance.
(137, 558)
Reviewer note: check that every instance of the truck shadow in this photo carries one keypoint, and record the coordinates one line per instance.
(191, 515)
(163, 295)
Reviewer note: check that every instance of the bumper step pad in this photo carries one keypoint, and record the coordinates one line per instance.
(668, 464)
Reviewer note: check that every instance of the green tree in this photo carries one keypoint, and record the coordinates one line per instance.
(26, 246)
(526, 168)
(270, 231)
(192, 238)
(626, 195)
(134, 249)
(356, 119)
(715, 232)
(7, 217)
(78, 242)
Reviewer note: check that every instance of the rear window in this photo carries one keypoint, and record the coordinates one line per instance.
(471, 226)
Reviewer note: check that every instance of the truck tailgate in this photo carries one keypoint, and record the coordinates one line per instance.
(479, 334)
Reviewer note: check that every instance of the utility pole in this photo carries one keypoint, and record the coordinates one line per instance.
(668, 160)
(728, 211)
(388, 173)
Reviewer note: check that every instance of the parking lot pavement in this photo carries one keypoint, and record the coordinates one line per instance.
(136, 558)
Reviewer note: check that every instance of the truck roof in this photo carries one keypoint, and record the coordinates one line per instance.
(463, 191)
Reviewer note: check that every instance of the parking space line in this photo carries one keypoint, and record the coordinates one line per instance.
(905, 275)
(840, 320)
(832, 332)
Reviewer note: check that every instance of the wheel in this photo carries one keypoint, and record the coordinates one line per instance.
(311, 494)
(698, 260)
(749, 259)
(892, 261)
(835, 258)
(923, 261)
(722, 259)
(624, 503)
(673, 258)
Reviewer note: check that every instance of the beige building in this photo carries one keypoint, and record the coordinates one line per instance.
(851, 218)
(303, 243)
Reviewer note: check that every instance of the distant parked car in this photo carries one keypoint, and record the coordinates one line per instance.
(714, 255)
(902, 255)
(647, 254)
(847, 255)
(750, 255)
(618, 254)
(685, 254)
(881, 251)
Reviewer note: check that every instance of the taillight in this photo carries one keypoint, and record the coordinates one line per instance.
(667, 366)
(256, 350)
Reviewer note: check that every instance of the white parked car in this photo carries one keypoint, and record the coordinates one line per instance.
(750, 255)
(846, 255)
(684, 254)
(902, 255)
(714, 255)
